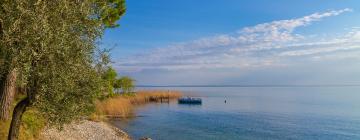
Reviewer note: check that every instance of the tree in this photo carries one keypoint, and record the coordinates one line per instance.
(109, 78)
(7, 89)
(108, 12)
(7, 76)
(125, 83)
(51, 43)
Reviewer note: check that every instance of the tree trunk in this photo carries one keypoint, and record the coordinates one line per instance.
(7, 93)
(19, 109)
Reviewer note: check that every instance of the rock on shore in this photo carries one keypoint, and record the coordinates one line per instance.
(86, 130)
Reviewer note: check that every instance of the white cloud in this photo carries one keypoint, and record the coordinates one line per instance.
(261, 45)
(282, 30)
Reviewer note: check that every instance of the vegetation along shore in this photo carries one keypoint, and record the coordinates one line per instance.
(124, 105)
(53, 70)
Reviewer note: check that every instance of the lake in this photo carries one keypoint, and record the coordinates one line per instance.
(254, 113)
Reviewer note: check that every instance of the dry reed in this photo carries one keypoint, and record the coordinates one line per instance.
(123, 105)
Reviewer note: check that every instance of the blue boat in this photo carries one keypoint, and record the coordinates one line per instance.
(189, 100)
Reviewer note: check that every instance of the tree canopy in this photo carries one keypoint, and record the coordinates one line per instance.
(125, 83)
(52, 44)
(109, 78)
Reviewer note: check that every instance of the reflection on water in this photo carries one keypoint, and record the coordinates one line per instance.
(253, 113)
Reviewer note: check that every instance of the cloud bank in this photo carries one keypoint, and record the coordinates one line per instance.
(268, 44)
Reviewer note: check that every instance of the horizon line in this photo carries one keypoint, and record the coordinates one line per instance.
(260, 85)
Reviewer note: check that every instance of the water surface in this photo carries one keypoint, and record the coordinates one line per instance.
(294, 113)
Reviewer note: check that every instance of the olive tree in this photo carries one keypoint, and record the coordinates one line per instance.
(51, 44)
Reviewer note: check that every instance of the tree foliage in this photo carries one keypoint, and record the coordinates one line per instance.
(109, 78)
(111, 11)
(52, 44)
(125, 84)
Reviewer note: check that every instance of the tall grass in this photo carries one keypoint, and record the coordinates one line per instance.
(124, 105)
(114, 107)
(145, 96)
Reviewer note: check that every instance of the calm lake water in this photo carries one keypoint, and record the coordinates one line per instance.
(254, 113)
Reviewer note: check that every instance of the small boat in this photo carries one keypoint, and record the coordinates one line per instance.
(189, 100)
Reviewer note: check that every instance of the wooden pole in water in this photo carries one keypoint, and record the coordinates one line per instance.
(168, 96)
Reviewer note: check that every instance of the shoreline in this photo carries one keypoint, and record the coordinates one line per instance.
(85, 130)
(123, 106)
(98, 127)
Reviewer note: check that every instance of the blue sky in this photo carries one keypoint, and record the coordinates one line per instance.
(168, 42)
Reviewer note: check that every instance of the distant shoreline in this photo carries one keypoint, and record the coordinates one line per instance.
(319, 85)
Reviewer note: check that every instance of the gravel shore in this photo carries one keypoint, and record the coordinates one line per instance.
(85, 130)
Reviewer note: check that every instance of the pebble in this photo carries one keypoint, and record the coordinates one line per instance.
(85, 130)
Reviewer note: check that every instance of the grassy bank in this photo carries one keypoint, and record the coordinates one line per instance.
(124, 105)
(118, 106)
(31, 126)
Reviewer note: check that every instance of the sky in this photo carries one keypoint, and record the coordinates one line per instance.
(232, 42)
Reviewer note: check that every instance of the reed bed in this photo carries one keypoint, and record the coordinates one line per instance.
(124, 105)
(116, 107)
(146, 96)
